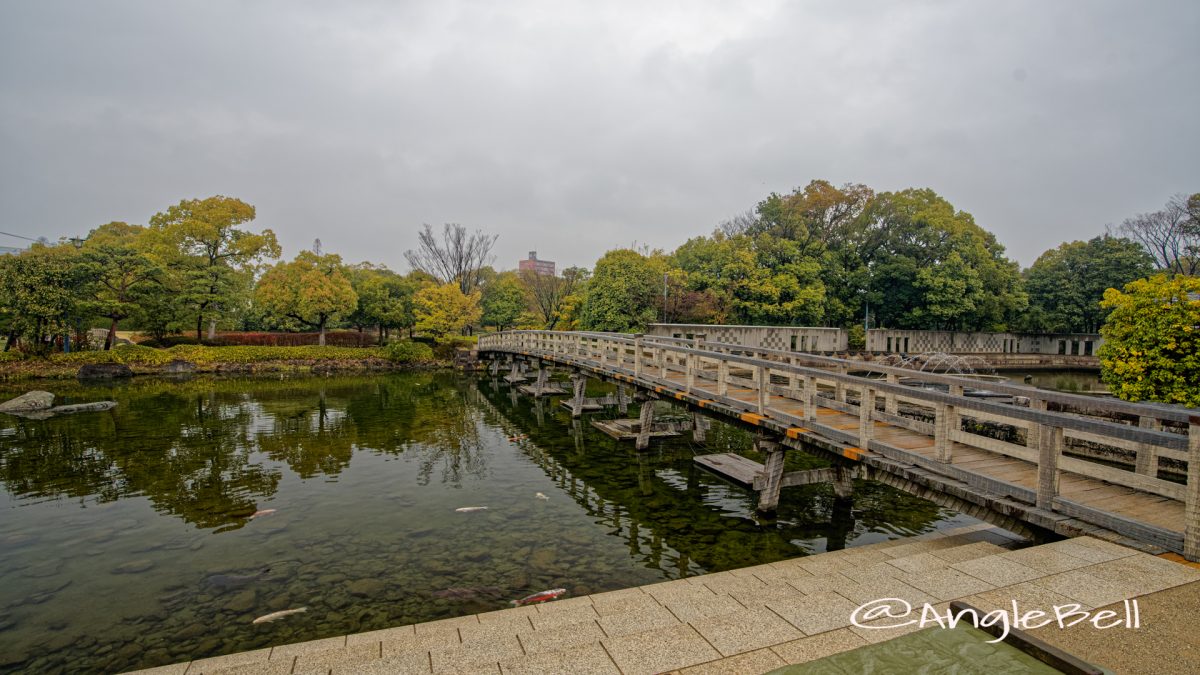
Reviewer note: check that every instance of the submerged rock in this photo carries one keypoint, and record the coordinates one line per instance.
(68, 409)
(34, 400)
(366, 588)
(103, 371)
(133, 567)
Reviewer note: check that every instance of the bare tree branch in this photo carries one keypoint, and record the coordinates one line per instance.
(1169, 235)
(457, 257)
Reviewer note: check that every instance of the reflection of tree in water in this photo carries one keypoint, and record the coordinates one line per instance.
(446, 432)
(188, 452)
(313, 435)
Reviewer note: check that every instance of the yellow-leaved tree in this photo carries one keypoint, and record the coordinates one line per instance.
(312, 289)
(445, 310)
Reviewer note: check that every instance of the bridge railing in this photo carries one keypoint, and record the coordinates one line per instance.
(762, 377)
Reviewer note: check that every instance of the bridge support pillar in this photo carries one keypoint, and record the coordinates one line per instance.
(542, 373)
(768, 498)
(810, 397)
(1050, 441)
(494, 367)
(516, 370)
(622, 400)
(843, 483)
(1191, 511)
(578, 387)
(645, 423)
(943, 447)
(699, 428)
(866, 413)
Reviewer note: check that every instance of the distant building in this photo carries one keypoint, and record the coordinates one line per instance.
(9, 250)
(532, 264)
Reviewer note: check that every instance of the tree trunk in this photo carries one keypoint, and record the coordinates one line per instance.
(12, 340)
(111, 338)
(321, 339)
(199, 327)
(380, 327)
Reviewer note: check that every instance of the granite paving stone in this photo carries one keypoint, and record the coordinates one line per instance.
(294, 649)
(815, 613)
(751, 596)
(997, 570)
(583, 659)
(638, 620)
(280, 667)
(399, 632)
(968, 552)
(229, 660)
(818, 646)
(408, 663)
(1084, 588)
(659, 650)
(1045, 561)
(480, 653)
(947, 584)
(703, 607)
(886, 587)
(564, 617)
(1094, 553)
(555, 639)
(420, 642)
(758, 661)
(919, 562)
(745, 631)
(819, 584)
(314, 661)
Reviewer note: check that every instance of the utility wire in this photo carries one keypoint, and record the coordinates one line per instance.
(10, 234)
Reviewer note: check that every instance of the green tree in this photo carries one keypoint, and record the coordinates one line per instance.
(623, 293)
(211, 257)
(503, 300)
(119, 276)
(548, 294)
(1151, 349)
(1067, 283)
(444, 310)
(313, 290)
(38, 294)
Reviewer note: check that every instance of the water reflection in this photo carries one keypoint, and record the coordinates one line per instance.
(127, 540)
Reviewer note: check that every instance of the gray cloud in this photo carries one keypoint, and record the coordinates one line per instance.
(576, 127)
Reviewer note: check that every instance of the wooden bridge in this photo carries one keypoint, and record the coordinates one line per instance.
(1065, 463)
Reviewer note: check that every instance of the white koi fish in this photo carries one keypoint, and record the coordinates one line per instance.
(267, 618)
(541, 496)
(260, 514)
(470, 509)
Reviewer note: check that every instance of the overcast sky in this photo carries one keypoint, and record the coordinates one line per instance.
(573, 128)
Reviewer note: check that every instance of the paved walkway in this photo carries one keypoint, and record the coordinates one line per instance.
(750, 620)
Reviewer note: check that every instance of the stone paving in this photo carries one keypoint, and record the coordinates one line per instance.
(750, 620)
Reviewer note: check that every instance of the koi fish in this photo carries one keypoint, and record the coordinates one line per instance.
(470, 509)
(262, 513)
(544, 596)
(267, 618)
(518, 438)
(541, 496)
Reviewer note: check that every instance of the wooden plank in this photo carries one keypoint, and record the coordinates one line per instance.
(730, 466)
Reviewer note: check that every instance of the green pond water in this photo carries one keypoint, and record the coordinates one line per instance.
(127, 540)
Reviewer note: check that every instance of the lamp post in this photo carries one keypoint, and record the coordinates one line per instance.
(77, 242)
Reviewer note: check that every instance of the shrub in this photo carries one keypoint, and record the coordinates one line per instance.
(856, 337)
(409, 352)
(446, 347)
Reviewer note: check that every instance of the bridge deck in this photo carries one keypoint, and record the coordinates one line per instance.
(1122, 501)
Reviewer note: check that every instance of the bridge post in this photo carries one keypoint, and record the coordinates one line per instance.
(578, 387)
(1191, 510)
(602, 350)
(891, 405)
(810, 397)
(1147, 453)
(839, 387)
(942, 445)
(689, 365)
(516, 370)
(866, 410)
(722, 378)
(762, 376)
(494, 367)
(768, 498)
(622, 400)
(645, 422)
(1050, 443)
(637, 356)
(843, 482)
(541, 379)
(699, 428)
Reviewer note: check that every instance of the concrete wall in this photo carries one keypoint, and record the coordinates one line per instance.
(886, 341)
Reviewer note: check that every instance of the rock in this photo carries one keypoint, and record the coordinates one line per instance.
(133, 567)
(34, 400)
(242, 602)
(181, 366)
(103, 371)
(365, 588)
(82, 407)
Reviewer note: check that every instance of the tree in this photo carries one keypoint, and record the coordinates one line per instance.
(38, 294)
(385, 299)
(548, 293)
(1171, 236)
(312, 289)
(503, 300)
(445, 310)
(457, 258)
(119, 275)
(1066, 284)
(210, 256)
(1151, 349)
(622, 295)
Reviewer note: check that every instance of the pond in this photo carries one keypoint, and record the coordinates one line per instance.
(158, 531)
(1072, 381)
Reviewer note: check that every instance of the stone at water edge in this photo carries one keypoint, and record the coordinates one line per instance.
(103, 371)
(34, 400)
(98, 406)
